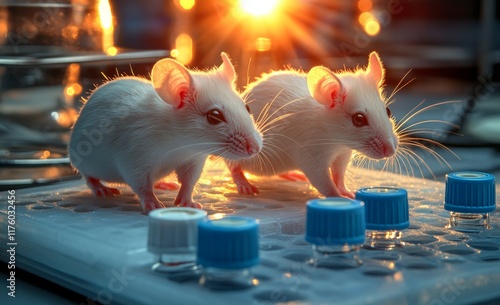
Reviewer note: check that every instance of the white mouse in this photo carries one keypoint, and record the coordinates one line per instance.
(313, 122)
(135, 131)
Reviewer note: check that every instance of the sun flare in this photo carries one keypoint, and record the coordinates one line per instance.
(259, 8)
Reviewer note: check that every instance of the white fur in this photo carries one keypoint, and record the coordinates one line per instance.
(312, 137)
(137, 135)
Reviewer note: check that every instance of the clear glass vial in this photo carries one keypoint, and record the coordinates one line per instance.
(335, 227)
(173, 238)
(228, 248)
(470, 197)
(387, 216)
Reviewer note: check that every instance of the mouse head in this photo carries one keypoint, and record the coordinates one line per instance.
(355, 100)
(208, 108)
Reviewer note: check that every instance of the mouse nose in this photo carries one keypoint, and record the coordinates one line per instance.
(389, 147)
(252, 147)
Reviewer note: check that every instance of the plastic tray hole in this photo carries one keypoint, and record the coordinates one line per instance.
(458, 250)
(270, 247)
(81, 209)
(68, 204)
(423, 265)
(379, 271)
(483, 245)
(41, 207)
(490, 258)
(26, 202)
(273, 206)
(298, 257)
(277, 296)
(419, 239)
(435, 232)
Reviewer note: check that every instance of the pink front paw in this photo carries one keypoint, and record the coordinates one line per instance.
(348, 194)
(245, 188)
(105, 191)
(344, 192)
(294, 176)
(99, 189)
(149, 205)
(167, 186)
(195, 205)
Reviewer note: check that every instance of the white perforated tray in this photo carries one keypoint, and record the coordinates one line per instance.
(97, 247)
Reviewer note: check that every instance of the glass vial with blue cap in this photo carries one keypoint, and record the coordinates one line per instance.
(386, 210)
(335, 227)
(470, 197)
(227, 250)
(173, 238)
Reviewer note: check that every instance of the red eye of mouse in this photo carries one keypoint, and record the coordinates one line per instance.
(215, 117)
(389, 113)
(359, 120)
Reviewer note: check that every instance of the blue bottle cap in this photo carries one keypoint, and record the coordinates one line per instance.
(228, 243)
(470, 192)
(335, 221)
(386, 208)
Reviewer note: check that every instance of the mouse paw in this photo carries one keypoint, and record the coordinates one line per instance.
(195, 205)
(151, 204)
(347, 193)
(294, 176)
(105, 191)
(99, 189)
(167, 186)
(245, 188)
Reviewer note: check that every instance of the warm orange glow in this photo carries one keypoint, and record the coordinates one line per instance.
(184, 48)
(174, 53)
(45, 154)
(372, 27)
(73, 89)
(217, 216)
(187, 4)
(112, 51)
(106, 18)
(258, 8)
(365, 17)
(365, 5)
(263, 44)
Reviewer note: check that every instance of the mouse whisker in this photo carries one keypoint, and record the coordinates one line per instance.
(264, 112)
(411, 128)
(419, 161)
(266, 126)
(397, 88)
(326, 142)
(412, 113)
(280, 108)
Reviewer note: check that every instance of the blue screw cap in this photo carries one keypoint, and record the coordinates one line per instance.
(386, 207)
(228, 243)
(335, 221)
(470, 192)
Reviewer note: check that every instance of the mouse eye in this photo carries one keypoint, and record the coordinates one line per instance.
(248, 108)
(389, 113)
(359, 120)
(215, 117)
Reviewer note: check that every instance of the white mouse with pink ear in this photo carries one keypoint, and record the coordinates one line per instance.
(135, 131)
(312, 122)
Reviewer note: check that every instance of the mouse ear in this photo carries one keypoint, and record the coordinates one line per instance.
(375, 68)
(171, 81)
(325, 87)
(226, 69)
